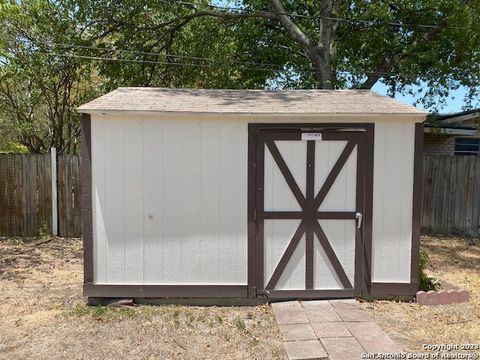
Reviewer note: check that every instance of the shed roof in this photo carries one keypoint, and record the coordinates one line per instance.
(300, 102)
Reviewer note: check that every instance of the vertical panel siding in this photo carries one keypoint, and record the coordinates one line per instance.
(341, 196)
(171, 195)
(278, 196)
(172, 201)
(278, 234)
(190, 200)
(153, 204)
(392, 200)
(98, 201)
(341, 235)
(133, 200)
(114, 205)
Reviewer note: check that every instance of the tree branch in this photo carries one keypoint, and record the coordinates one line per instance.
(294, 31)
(387, 63)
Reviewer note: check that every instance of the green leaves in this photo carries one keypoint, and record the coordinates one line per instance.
(57, 55)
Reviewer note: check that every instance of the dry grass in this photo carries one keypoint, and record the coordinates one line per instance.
(42, 312)
(453, 259)
(43, 316)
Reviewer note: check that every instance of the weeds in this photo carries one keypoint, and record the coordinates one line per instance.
(104, 312)
(239, 323)
(44, 233)
(426, 283)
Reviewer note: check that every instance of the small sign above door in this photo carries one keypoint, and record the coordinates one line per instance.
(312, 136)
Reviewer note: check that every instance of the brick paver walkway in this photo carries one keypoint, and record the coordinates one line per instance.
(330, 329)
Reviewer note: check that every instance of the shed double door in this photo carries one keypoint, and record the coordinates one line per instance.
(308, 211)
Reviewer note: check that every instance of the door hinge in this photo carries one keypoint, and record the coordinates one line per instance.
(255, 214)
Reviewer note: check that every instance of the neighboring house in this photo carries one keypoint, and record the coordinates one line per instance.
(453, 134)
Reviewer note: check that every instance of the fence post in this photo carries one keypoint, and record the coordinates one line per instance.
(53, 155)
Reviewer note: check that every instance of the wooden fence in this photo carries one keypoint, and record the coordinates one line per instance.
(451, 195)
(26, 195)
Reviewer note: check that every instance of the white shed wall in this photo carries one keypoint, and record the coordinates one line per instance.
(169, 201)
(392, 200)
(170, 197)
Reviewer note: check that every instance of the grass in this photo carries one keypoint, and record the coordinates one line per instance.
(456, 260)
(43, 315)
(239, 323)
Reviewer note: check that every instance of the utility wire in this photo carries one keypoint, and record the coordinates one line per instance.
(256, 65)
(101, 58)
(118, 50)
(353, 21)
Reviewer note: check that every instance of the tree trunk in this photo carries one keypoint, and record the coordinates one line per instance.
(321, 53)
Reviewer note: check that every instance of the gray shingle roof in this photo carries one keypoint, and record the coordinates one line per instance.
(247, 102)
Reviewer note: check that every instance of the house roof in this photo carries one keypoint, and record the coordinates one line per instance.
(459, 117)
(301, 102)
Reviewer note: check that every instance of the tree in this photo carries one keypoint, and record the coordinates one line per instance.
(57, 55)
(338, 44)
(38, 91)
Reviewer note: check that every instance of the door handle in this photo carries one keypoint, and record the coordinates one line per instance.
(359, 218)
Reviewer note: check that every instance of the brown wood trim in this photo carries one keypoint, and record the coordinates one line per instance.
(417, 202)
(360, 205)
(155, 291)
(343, 135)
(309, 294)
(87, 212)
(344, 127)
(342, 159)
(336, 215)
(286, 256)
(379, 289)
(368, 209)
(321, 215)
(251, 226)
(337, 266)
(280, 214)
(286, 173)
(259, 204)
(310, 215)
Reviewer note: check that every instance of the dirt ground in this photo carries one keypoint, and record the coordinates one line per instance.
(43, 316)
(457, 261)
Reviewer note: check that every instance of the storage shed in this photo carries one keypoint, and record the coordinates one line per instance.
(246, 194)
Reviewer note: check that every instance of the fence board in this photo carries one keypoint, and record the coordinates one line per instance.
(26, 195)
(451, 194)
(3, 195)
(62, 198)
(476, 200)
(47, 188)
(11, 195)
(451, 202)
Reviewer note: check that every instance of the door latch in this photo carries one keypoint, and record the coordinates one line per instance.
(359, 218)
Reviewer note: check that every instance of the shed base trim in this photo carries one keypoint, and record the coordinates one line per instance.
(165, 291)
(309, 294)
(394, 289)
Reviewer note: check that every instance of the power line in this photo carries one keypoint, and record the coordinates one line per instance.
(101, 58)
(259, 66)
(352, 21)
(117, 50)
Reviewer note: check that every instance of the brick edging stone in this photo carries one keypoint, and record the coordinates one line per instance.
(442, 297)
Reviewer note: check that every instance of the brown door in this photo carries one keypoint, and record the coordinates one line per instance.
(308, 210)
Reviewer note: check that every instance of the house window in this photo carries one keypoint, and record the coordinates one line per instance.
(467, 146)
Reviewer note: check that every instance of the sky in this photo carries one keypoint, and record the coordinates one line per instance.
(454, 102)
